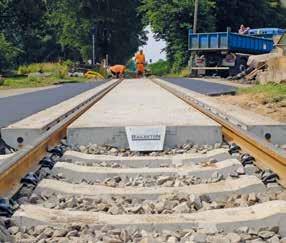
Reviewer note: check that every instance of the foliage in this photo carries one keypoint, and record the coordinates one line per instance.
(159, 68)
(32, 81)
(171, 20)
(53, 30)
(118, 27)
(183, 73)
(272, 88)
(59, 70)
(253, 13)
(34, 31)
(25, 26)
(8, 52)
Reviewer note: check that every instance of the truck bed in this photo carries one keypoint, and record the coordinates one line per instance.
(227, 41)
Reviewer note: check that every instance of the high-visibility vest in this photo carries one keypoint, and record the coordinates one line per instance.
(118, 69)
(140, 58)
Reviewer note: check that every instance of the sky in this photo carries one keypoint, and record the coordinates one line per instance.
(153, 48)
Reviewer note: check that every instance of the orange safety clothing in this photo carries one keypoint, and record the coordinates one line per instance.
(118, 69)
(140, 58)
(140, 68)
(140, 62)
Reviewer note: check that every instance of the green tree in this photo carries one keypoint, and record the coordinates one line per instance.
(8, 53)
(24, 25)
(47, 30)
(253, 13)
(171, 19)
(118, 27)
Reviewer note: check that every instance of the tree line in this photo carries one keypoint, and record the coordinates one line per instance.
(171, 19)
(50, 30)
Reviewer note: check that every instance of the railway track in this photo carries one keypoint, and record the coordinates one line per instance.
(188, 193)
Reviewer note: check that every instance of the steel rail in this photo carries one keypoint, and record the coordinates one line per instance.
(267, 156)
(27, 160)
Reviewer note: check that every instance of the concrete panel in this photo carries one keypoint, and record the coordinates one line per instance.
(258, 124)
(142, 103)
(33, 126)
(4, 157)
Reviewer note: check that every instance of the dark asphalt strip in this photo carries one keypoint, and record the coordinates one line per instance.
(203, 87)
(18, 107)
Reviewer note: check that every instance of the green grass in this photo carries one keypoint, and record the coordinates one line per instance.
(159, 68)
(55, 73)
(56, 69)
(25, 82)
(273, 92)
(184, 73)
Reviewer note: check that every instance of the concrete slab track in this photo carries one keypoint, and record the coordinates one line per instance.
(248, 120)
(142, 103)
(32, 127)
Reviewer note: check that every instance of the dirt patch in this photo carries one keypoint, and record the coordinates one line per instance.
(258, 103)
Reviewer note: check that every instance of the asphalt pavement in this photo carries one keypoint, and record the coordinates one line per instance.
(203, 87)
(18, 107)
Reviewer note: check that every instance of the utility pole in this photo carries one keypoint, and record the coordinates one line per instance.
(93, 44)
(193, 55)
(93, 49)
(196, 16)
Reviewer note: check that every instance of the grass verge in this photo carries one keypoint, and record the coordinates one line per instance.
(184, 73)
(159, 68)
(26, 82)
(269, 93)
(41, 74)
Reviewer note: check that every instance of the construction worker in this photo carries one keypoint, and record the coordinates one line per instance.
(140, 63)
(118, 70)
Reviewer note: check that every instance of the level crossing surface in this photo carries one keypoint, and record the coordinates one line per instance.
(15, 108)
(203, 87)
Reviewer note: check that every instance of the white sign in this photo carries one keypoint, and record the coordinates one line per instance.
(143, 138)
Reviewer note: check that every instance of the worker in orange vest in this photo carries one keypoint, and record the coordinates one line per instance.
(140, 63)
(118, 70)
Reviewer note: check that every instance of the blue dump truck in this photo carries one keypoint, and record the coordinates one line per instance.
(226, 53)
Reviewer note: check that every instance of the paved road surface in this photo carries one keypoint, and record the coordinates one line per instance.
(203, 87)
(15, 108)
(11, 92)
